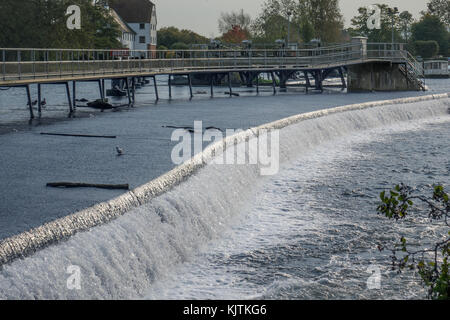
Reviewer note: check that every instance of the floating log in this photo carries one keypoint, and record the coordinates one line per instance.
(88, 185)
(233, 94)
(77, 135)
(100, 104)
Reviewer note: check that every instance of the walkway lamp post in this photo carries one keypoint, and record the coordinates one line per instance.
(289, 27)
(393, 12)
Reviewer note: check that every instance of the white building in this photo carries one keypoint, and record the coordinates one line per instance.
(140, 16)
(128, 36)
(437, 68)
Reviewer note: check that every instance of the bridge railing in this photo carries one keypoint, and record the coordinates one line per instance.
(23, 64)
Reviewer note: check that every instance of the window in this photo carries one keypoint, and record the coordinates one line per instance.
(142, 26)
(141, 39)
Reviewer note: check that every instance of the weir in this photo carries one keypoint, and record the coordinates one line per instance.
(138, 204)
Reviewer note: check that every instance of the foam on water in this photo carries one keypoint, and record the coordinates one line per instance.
(123, 258)
(295, 241)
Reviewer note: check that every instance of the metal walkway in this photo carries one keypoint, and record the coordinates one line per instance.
(23, 67)
(28, 66)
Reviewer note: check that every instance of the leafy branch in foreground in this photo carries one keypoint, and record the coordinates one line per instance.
(432, 263)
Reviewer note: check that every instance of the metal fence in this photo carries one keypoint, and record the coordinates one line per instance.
(26, 64)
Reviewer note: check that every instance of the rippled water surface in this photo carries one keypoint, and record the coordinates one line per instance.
(309, 232)
(312, 231)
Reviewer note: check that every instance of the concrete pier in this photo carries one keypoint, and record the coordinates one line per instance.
(379, 77)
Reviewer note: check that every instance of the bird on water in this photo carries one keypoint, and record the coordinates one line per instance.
(119, 151)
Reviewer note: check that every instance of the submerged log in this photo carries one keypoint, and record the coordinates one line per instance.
(88, 185)
(77, 135)
(233, 94)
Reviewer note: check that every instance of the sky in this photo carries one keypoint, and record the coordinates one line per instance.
(201, 15)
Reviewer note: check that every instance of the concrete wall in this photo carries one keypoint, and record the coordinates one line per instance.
(378, 77)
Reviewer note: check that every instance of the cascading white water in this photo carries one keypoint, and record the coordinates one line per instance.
(122, 258)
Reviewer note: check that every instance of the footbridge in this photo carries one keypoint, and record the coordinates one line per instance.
(368, 66)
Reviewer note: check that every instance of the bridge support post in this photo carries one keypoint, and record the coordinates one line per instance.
(229, 84)
(211, 76)
(103, 89)
(341, 74)
(283, 76)
(308, 83)
(100, 89)
(156, 88)
(127, 83)
(39, 99)
(170, 86)
(74, 94)
(27, 88)
(257, 83)
(274, 85)
(190, 85)
(318, 80)
(133, 88)
(68, 98)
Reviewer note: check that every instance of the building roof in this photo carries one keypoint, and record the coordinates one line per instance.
(123, 25)
(133, 11)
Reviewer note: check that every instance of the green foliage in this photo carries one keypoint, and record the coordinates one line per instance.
(325, 17)
(441, 9)
(169, 36)
(309, 19)
(426, 49)
(384, 34)
(431, 28)
(306, 31)
(432, 264)
(179, 46)
(42, 24)
(406, 20)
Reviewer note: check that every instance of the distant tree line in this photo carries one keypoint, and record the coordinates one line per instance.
(427, 37)
(42, 23)
(173, 38)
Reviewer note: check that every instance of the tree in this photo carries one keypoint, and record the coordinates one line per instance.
(325, 17)
(42, 24)
(384, 34)
(235, 35)
(306, 30)
(431, 28)
(272, 23)
(168, 36)
(228, 21)
(441, 9)
(426, 49)
(321, 18)
(179, 46)
(432, 262)
(406, 20)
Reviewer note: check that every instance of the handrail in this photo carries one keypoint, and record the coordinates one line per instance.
(20, 63)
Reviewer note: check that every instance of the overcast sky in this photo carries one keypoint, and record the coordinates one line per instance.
(202, 15)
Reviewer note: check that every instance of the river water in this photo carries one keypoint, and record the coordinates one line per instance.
(309, 232)
(312, 231)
